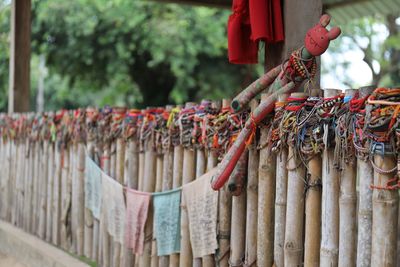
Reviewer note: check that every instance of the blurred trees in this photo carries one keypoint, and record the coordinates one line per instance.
(133, 53)
(378, 39)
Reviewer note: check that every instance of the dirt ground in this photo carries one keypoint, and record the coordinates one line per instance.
(6, 261)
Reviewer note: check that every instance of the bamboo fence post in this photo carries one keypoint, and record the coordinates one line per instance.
(238, 222)
(131, 181)
(149, 180)
(35, 187)
(224, 211)
(330, 204)
(313, 213)
(89, 224)
(43, 191)
(25, 203)
(280, 201)
(105, 237)
(96, 224)
(347, 210)
(140, 183)
(385, 206)
(188, 174)
(7, 183)
(80, 183)
(168, 166)
(365, 176)
(253, 173)
(176, 182)
(294, 228)
(16, 180)
(50, 181)
(208, 260)
(263, 244)
(158, 188)
(65, 199)
(312, 237)
(57, 196)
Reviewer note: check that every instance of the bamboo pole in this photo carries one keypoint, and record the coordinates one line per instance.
(88, 228)
(280, 201)
(365, 176)
(313, 208)
(96, 224)
(105, 237)
(254, 159)
(330, 204)
(80, 182)
(266, 167)
(208, 260)
(347, 209)
(25, 198)
(50, 181)
(224, 211)
(43, 190)
(168, 166)
(66, 184)
(385, 206)
(57, 197)
(16, 181)
(148, 186)
(238, 223)
(158, 188)
(188, 174)
(35, 187)
(177, 182)
(130, 180)
(293, 251)
(313, 213)
(280, 206)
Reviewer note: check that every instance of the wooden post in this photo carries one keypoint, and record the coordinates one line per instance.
(168, 166)
(149, 183)
(294, 211)
(158, 188)
(176, 182)
(57, 197)
(131, 181)
(188, 174)
(20, 53)
(80, 182)
(266, 196)
(280, 201)
(347, 210)
(224, 211)
(66, 184)
(365, 174)
(105, 237)
(253, 174)
(50, 181)
(238, 225)
(385, 208)
(330, 204)
(313, 213)
(43, 195)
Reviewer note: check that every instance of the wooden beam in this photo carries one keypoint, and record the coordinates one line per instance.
(20, 52)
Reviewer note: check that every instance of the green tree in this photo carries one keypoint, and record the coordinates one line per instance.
(378, 38)
(133, 53)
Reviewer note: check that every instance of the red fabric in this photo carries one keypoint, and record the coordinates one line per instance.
(250, 22)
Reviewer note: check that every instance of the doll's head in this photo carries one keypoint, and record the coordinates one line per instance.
(318, 38)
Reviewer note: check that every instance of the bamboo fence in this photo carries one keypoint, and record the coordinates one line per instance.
(317, 184)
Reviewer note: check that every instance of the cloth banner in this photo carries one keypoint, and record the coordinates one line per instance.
(167, 221)
(137, 203)
(201, 202)
(93, 187)
(113, 207)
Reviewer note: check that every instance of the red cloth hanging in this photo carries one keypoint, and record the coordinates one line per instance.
(250, 22)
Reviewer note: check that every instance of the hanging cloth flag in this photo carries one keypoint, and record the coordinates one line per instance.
(137, 206)
(113, 207)
(201, 202)
(93, 187)
(252, 21)
(167, 221)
